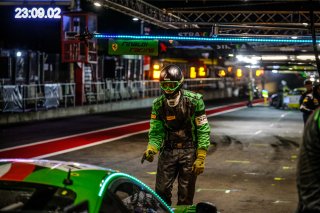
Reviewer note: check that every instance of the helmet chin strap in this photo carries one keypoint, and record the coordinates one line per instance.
(172, 102)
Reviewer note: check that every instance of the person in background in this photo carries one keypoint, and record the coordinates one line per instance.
(308, 85)
(180, 131)
(282, 93)
(250, 93)
(308, 167)
(310, 102)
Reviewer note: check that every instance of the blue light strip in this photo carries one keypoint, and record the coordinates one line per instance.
(206, 39)
(110, 178)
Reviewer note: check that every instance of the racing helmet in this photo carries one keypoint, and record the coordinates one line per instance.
(307, 82)
(171, 80)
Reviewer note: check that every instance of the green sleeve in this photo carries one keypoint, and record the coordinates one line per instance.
(156, 131)
(202, 126)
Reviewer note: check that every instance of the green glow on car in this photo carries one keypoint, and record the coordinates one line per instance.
(316, 117)
(109, 179)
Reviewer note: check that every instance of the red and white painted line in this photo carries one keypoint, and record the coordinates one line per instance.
(70, 143)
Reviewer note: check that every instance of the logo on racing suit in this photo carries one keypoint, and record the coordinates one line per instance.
(200, 120)
(153, 116)
(171, 117)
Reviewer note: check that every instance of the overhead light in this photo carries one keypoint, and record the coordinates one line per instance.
(274, 57)
(294, 37)
(18, 54)
(97, 4)
(274, 71)
(306, 57)
(252, 60)
(135, 19)
(305, 24)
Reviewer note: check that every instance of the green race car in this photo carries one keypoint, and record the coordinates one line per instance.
(28, 185)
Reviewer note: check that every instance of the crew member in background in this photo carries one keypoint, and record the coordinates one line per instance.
(308, 168)
(310, 102)
(180, 132)
(250, 93)
(282, 93)
(308, 85)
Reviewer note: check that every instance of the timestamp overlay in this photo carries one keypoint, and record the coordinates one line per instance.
(37, 13)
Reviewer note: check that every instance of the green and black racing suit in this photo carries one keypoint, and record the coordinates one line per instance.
(308, 169)
(178, 132)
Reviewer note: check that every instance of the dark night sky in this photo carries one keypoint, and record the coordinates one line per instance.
(44, 35)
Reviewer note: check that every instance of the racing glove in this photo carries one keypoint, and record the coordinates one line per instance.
(198, 165)
(149, 153)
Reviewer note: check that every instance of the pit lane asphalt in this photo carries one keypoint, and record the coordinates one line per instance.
(252, 169)
(31, 132)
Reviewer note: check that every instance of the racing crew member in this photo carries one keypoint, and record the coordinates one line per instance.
(308, 85)
(283, 92)
(310, 102)
(180, 132)
(250, 93)
(308, 167)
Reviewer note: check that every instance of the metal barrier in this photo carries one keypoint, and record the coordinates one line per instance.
(21, 98)
(35, 97)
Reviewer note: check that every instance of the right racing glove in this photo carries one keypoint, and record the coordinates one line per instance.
(198, 165)
(149, 153)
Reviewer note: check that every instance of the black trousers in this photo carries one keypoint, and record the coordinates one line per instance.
(172, 164)
(305, 116)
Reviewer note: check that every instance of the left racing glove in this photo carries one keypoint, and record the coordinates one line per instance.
(198, 165)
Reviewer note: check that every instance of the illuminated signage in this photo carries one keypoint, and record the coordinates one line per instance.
(194, 34)
(37, 13)
(132, 47)
(306, 39)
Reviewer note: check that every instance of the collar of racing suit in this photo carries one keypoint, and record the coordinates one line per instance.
(175, 100)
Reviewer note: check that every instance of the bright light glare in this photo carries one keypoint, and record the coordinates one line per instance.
(252, 60)
(135, 19)
(274, 71)
(97, 4)
(275, 57)
(18, 54)
(306, 57)
(156, 66)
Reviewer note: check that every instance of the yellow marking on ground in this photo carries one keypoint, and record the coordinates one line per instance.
(287, 167)
(294, 156)
(281, 201)
(278, 178)
(152, 173)
(237, 161)
(252, 173)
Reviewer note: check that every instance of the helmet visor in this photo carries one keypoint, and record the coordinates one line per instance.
(169, 85)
